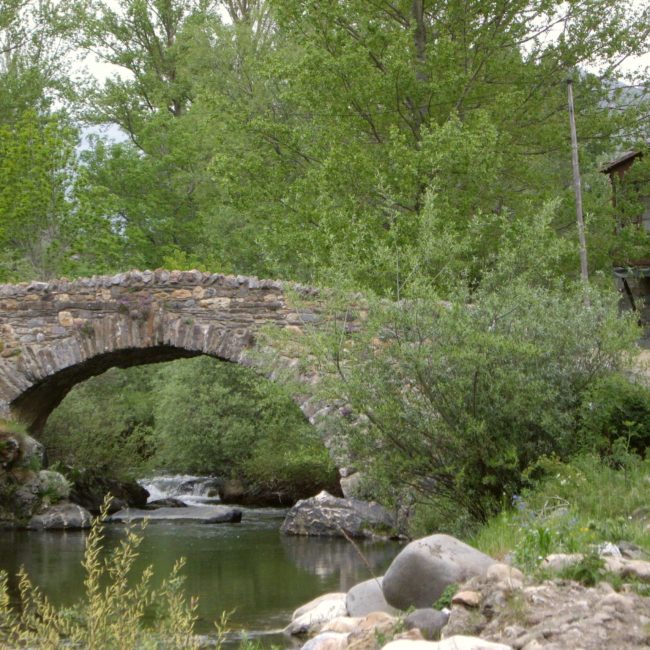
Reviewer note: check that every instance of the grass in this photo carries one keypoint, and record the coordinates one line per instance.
(571, 508)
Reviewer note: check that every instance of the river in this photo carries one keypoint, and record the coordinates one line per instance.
(249, 569)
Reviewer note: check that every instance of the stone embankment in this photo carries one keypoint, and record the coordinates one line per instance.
(493, 606)
(31, 497)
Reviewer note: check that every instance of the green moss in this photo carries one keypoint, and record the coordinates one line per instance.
(11, 427)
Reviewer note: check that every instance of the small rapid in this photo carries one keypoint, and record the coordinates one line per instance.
(191, 490)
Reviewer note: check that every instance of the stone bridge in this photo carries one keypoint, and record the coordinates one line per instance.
(56, 334)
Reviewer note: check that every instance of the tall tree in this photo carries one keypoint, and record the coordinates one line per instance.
(373, 105)
(37, 166)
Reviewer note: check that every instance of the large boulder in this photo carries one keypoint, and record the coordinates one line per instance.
(90, 489)
(367, 597)
(61, 516)
(420, 573)
(328, 516)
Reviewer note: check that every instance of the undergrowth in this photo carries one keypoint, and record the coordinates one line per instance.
(571, 508)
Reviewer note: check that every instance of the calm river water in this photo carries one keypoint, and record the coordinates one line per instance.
(248, 568)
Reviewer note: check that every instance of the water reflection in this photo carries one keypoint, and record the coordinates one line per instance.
(339, 560)
(249, 567)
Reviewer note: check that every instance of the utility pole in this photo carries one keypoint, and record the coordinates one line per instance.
(584, 269)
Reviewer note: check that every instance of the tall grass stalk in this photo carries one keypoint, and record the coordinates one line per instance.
(111, 615)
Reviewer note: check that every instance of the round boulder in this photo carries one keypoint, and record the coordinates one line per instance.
(420, 573)
(428, 620)
(367, 597)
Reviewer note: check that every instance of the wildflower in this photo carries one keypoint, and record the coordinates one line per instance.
(518, 502)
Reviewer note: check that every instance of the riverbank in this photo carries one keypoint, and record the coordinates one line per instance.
(581, 535)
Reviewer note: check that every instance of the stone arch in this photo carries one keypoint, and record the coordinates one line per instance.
(56, 334)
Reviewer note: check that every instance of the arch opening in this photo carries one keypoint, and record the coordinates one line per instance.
(33, 407)
(198, 416)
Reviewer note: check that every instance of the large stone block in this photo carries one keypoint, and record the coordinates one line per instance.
(420, 573)
(327, 516)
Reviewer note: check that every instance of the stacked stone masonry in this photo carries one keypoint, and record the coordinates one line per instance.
(55, 334)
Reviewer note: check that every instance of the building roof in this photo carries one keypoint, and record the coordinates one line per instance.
(624, 157)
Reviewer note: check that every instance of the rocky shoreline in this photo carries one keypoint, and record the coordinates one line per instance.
(491, 606)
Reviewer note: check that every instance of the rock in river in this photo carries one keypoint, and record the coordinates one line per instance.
(327, 516)
(168, 502)
(61, 516)
(89, 490)
(197, 514)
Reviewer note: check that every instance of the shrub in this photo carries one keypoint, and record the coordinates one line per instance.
(615, 415)
(52, 487)
(296, 463)
(459, 398)
(570, 508)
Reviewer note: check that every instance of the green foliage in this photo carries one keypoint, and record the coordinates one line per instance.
(464, 396)
(418, 154)
(112, 614)
(218, 418)
(36, 175)
(589, 571)
(445, 597)
(12, 427)
(293, 461)
(615, 418)
(115, 438)
(53, 487)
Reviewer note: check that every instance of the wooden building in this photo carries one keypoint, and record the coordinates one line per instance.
(632, 276)
(617, 170)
